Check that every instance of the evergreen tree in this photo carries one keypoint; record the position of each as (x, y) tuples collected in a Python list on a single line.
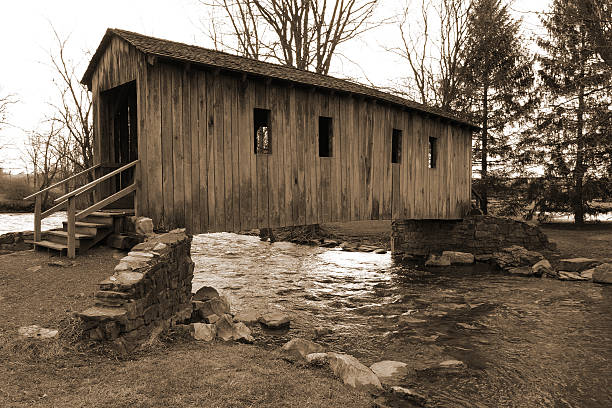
[(495, 81), (572, 137)]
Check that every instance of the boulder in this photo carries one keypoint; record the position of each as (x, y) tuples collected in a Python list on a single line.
[(37, 332), (317, 358), (242, 333), (459, 258), (452, 364), (211, 319), (228, 330), (352, 372), (390, 372), (321, 331), (409, 394), (521, 271), (577, 264), (275, 320), (438, 260), (366, 248), (225, 327), (543, 268), (570, 276), (483, 257), (380, 251), (603, 273), (300, 348), (218, 306), (143, 226), (204, 332), (347, 247), (205, 293), (588, 274), (329, 243), (250, 317), (516, 256)]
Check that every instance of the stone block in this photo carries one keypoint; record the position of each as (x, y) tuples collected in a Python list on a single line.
[(275, 320), (438, 260), (212, 306), (603, 273), (459, 258), (101, 314), (300, 348), (577, 264), (204, 332), (390, 372)]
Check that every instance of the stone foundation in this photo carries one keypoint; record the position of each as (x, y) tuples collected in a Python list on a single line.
[(479, 234), (15, 241), (151, 287)]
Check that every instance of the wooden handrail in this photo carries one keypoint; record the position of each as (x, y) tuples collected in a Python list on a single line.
[(59, 183), (94, 183), (119, 194)]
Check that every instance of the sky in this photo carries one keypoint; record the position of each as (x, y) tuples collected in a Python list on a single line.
[(26, 42)]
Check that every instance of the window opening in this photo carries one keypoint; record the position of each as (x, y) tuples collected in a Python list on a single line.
[(396, 146), (262, 136), (325, 137), (433, 152)]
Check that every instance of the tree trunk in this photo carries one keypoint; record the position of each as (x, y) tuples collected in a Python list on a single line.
[(484, 151), (579, 170)]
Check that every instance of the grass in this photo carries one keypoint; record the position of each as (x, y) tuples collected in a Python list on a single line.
[(175, 371), (589, 240)]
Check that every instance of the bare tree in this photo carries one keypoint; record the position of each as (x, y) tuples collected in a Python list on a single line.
[(299, 33), (432, 46), (72, 111), (46, 153), (5, 101)]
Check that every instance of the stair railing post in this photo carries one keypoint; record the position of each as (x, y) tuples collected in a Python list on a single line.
[(37, 218), (71, 227)]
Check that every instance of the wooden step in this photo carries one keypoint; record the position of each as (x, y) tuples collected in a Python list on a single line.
[(99, 218), (87, 228), (114, 213), (61, 237), (51, 245)]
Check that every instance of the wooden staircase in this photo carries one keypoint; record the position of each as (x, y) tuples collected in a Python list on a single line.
[(85, 228), (93, 229)]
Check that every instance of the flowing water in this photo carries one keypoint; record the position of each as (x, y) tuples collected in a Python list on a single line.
[(526, 342), (15, 222)]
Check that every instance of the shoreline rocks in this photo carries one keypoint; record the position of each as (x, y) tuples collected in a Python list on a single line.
[(603, 273), (275, 320), (390, 372)]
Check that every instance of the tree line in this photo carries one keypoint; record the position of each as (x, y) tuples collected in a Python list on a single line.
[(545, 115)]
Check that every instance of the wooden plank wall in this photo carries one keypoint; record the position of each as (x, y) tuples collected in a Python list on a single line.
[(200, 171)]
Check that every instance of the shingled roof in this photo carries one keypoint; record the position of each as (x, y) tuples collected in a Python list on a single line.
[(217, 59)]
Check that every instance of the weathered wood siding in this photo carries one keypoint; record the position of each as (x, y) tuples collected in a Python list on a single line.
[(199, 169)]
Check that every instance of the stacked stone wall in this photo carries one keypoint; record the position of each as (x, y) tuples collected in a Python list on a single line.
[(15, 241), (479, 234), (150, 287)]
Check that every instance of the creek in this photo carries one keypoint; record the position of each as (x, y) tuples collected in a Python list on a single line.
[(527, 342)]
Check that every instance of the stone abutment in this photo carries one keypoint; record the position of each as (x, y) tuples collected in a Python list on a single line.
[(478, 234)]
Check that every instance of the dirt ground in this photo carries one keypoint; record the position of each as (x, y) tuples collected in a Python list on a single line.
[(175, 371)]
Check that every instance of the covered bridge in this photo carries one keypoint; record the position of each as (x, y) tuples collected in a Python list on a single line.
[(227, 143)]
